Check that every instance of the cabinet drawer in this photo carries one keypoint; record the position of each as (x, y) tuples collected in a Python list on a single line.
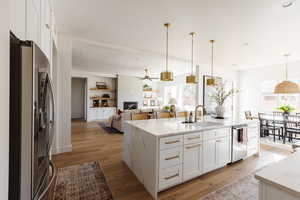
[(192, 138), (209, 135), (170, 177), (170, 142), (170, 157), (223, 132)]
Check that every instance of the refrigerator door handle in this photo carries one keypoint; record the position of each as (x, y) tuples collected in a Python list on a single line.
[(53, 101), (53, 169)]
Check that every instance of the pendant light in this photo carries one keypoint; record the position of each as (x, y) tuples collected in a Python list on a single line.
[(192, 78), (167, 75), (211, 81), (286, 87)]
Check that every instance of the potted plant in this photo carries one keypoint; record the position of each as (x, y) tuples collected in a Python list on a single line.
[(286, 109), (219, 96)]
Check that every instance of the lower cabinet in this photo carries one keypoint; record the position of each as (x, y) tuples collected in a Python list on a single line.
[(223, 151), (184, 157), (192, 163), (216, 153), (103, 113), (209, 155)]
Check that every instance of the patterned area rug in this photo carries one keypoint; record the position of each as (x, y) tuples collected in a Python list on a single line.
[(107, 128), (82, 182), (244, 189)]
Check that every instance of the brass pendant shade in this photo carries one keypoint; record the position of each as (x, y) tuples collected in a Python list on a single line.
[(211, 81), (192, 79), (167, 75), (287, 87)]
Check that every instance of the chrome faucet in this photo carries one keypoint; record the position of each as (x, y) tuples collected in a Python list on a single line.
[(196, 110)]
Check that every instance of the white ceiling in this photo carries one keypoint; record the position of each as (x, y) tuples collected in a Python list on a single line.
[(125, 36)]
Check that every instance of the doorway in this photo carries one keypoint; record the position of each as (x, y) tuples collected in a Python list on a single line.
[(78, 99)]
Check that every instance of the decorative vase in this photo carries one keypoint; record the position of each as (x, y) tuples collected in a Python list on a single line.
[(220, 111)]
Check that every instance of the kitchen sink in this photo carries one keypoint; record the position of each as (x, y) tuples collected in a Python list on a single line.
[(203, 124)]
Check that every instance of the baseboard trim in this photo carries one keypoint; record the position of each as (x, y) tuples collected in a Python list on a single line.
[(59, 150)]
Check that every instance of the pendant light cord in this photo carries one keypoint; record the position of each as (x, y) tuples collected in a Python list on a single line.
[(192, 57), (286, 67), (167, 47), (212, 58)]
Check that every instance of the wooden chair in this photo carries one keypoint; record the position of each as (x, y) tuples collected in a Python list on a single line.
[(267, 126), (181, 114), (139, 116), (292, 126), (248, 115), (160, 115)]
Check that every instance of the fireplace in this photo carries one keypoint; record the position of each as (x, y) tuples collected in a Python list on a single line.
[(130, 105)]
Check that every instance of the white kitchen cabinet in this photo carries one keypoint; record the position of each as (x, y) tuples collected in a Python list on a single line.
[(18, 18), (209, 155), (46, 28), (223, 151), (192, 163), (33, 21), (102, 113)]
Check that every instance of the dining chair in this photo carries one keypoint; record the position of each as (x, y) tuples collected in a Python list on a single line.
[(161, 115), (139, 116), (181, 114), (248, 115), (267, 126), (279, 121), (292, 126)]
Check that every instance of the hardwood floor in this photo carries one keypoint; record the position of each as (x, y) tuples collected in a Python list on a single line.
[(90, 142)]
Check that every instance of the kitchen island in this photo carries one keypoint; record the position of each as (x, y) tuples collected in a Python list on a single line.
[(281, 180), (166, 152)]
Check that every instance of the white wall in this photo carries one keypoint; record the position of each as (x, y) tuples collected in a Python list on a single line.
[(62, 142), (251, 80), (78, 98), (4, 99), (129, 89)]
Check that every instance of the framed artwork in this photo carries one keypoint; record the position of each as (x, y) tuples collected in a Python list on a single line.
[(208, 90)]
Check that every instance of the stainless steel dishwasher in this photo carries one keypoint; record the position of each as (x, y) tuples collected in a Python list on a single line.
[(239, 143)]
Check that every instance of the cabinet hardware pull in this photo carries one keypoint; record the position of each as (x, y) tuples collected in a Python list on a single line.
[(218, 140), (193, 138), (172, 142), (170, 177), (171, 158), (194, 146)]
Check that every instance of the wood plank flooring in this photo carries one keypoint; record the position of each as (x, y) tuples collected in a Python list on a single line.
[(90, 142)]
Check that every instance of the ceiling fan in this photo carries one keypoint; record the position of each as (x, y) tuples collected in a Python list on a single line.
[(147, 77)]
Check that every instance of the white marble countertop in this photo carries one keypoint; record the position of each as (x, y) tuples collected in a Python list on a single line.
[(174, 126), (284, 174)]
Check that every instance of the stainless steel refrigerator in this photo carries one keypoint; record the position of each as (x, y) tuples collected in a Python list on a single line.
[(31, 172)]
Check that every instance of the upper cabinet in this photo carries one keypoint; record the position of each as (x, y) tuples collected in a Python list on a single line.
[(33, 23), (34, 20), (46, 28), (18, 18)]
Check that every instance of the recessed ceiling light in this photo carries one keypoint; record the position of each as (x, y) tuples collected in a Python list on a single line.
[(288, 4)]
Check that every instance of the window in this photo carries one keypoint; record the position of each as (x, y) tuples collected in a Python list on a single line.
[(169, 92), (188, 96), (270, 101)]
